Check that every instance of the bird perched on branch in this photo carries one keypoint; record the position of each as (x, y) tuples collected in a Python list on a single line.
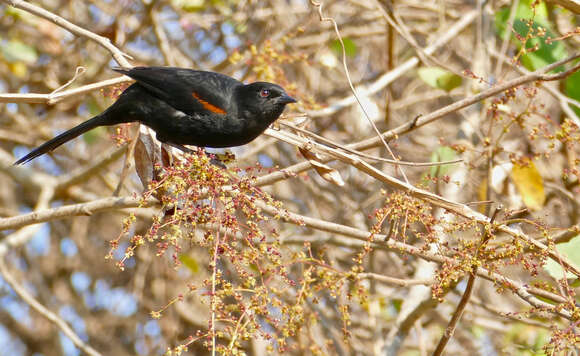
[(186, 107)]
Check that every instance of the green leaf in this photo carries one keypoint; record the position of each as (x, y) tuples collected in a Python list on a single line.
[(90, 137), (524, 11), (19, 14), (575, 283), (189, 5), (93, 107), (397, 304), (349, 47), (442, 154), (190, 263), (545, 53), (572, 87), (440, 78), (571, 250), (16, 51)]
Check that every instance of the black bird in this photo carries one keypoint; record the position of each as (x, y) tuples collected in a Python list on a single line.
[(187, 107)]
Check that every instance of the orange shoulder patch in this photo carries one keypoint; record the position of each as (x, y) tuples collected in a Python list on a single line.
[(208, 106)]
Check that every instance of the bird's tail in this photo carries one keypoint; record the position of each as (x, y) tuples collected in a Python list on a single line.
[(99, 120)]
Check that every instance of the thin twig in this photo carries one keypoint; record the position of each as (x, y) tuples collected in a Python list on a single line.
[(96, 164), (55, 97), (455, 207), (129, 157), (395, 281), (386, 11), (20, 237), (423, 120), (331, 143), (82, 209), (213, 293), (69, 26), (506, 36), (401, 69), (45, 312), (450, 330), (352, 88), (539, 75), (162, 39), (79, 71), (526, 293)]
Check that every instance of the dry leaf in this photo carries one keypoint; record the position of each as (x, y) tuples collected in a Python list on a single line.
[(530, 185), (326, 172), (147, 154)]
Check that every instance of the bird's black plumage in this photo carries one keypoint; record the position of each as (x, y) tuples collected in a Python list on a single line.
[(187, 107)]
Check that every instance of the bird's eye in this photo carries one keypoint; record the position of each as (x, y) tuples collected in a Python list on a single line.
[(264, 93)]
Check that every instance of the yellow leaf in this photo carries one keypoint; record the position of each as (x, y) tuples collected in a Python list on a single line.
[(189, 262), (19, 69), (530, 185), (482, 195)]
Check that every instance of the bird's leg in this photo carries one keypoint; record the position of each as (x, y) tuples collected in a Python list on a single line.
[(179, 147), (212, 158)]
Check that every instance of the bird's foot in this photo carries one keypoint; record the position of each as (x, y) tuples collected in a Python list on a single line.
[(215, 159)]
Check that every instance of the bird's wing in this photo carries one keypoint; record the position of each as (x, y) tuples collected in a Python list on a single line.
[(186, 90)]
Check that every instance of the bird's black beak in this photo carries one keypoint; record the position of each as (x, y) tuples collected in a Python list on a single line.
[(286, 99)]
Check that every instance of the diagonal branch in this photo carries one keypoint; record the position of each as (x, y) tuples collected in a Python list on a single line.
[(390, 76), (449, 205), (42, 310), (69, 26), (539, 75), (83, 209), (525, 292), (55, 97)]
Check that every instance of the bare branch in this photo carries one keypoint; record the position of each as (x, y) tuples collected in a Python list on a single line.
[(455, 207), (42, 310), (56, 97), (69, 26), (401, 69), (84, 209)]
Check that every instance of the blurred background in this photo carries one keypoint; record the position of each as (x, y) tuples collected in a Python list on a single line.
[(406, 58)]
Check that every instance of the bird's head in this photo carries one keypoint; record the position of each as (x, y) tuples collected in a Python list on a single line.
[(264, 100)]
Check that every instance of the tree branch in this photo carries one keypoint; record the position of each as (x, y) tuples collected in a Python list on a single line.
[(45, 312), (69, 26), (83, 209)]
